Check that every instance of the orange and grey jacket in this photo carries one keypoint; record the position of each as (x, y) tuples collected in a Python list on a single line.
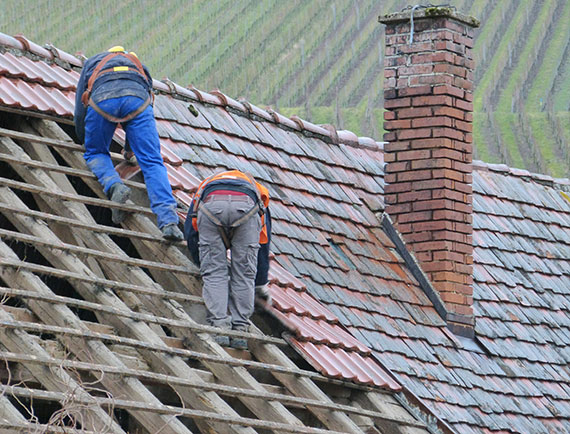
[(233, 180)]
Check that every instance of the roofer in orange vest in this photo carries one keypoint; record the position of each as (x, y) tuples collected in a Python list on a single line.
[(116, 88), (229, 211)]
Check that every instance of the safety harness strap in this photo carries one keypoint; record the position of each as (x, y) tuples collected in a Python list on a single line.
[(98, 71), (226, 231), (115, 119)]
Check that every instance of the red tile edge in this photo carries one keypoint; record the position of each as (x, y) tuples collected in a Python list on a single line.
[(337, 363)]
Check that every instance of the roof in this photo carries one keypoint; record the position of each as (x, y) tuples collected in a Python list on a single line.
[(348, 291), (110, 295)]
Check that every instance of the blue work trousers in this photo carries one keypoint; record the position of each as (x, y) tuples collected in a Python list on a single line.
[(143, 138)]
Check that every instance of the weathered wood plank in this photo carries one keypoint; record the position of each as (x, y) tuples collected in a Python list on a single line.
[(170, 410), (192, 397), (168, 379), (303, 387), (96, 307), (62, 144), (93, 416), (159, 348), (8, 427), (102, 283), (60, 170), (85, 200), (169, 254), (9, 413), (83, 349), (227, 374), (44, 154), (110, 230), (85, 251)]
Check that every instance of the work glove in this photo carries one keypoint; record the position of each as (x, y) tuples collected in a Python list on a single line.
[(262, 292)]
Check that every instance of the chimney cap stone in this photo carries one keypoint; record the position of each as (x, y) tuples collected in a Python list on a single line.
[(425, 12)]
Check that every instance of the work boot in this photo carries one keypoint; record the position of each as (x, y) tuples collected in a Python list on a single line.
[(130, 157), (223, 341), (171, 232), (119, 193), (239, 343)]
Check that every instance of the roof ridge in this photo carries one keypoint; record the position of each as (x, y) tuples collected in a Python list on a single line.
[(558, 183), (50, 52), (241, 106)]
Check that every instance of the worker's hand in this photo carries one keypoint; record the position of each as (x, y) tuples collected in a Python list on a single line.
[(262, 292)]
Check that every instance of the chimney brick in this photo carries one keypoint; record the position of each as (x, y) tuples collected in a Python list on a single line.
[(428, 92)]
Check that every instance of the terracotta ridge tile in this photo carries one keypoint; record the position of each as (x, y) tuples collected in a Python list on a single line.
[(48, 52), (34, 48), (197, 92), (63, 56), (12, 42), (278, 118), (177, 90), (520, 173), (161, 86), (206, 97), (254, 110), (229, 101), (310, 127), (370, 143)]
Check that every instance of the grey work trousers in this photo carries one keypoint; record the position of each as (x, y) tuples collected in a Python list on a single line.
[(231, 288)]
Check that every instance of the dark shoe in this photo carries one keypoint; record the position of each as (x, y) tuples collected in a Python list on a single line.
[(223, 341), (171, 232), (238, 343), (119, 193), (130, 157)]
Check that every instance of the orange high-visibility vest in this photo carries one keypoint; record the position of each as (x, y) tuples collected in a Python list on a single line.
[(261, 192)]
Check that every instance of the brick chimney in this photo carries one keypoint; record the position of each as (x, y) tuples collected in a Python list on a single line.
[(428, 93)]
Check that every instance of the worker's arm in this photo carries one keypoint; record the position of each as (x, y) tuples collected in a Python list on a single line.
[(80, 109), (191, 236), (261, 278)]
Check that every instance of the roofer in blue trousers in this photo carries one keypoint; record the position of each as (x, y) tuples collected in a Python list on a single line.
[(229, 212), (116, 88)]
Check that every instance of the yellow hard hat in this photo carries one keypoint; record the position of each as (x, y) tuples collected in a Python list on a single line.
[(116, 49)]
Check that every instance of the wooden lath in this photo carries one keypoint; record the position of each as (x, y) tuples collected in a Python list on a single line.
[(168, 411), (110, 230), (226, 373), (167, 380), (205, 401), (137, 316), (302, 389), (85, 252), (92, 415)]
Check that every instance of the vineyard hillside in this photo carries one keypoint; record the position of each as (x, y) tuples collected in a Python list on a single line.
[(323, 60)]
